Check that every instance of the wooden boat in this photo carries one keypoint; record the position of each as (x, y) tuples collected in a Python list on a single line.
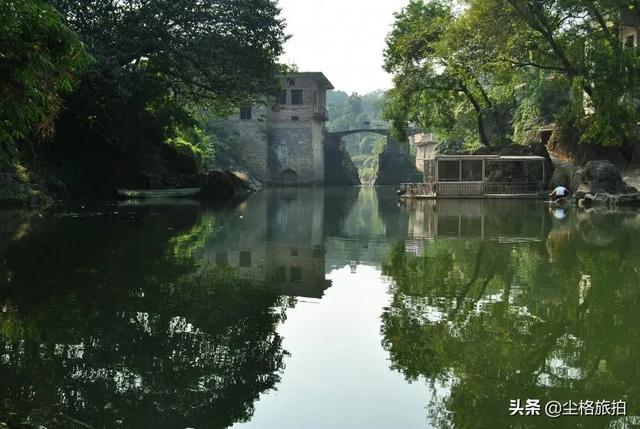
[(158, 202), (158, 193)]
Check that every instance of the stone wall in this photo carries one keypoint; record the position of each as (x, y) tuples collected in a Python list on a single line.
[(291, 149), (252, 149), (288, 138)]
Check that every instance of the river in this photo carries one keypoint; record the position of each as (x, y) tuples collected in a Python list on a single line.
[(335, 308)]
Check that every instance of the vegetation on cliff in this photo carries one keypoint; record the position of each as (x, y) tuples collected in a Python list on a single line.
[(484, 72), (132, 115)]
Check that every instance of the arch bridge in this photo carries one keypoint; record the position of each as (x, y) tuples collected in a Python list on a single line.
[(335, 137)]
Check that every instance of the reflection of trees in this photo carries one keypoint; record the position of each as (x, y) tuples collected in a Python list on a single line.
[(501, 321), (121, 329)]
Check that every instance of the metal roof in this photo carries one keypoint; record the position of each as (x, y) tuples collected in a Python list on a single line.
[(491, 157), (319, 77)]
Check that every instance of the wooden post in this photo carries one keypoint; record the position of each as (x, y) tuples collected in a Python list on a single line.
[(484, 179)]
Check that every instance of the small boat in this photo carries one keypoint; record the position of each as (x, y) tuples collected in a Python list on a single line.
[(158, 193)]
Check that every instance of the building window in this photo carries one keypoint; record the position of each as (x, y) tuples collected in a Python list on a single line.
[(315, 99), (294, 252), (281, 274), (245, 113), (630, 41), (281, 98), (295, 118), (296, 97), (221, 258), (296, 274), (245, 259)]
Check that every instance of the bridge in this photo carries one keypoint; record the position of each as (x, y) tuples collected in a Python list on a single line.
[(334, 138), (378, 127)]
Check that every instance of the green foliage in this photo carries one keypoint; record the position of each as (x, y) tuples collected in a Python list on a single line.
[(355, 111), (496, 320), (155, 63), (222, 53), (158, 338), (549, 61), (39, 58)]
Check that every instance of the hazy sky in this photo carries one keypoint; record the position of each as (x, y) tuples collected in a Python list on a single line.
[(344, 39)]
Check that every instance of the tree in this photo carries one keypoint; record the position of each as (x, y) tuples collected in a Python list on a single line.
[(39, 59), (448, 59), (432, 72), (156, 63), (579, 41), (222, 52)]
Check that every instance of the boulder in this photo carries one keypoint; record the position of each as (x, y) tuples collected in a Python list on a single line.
[(395, 166), (600, 177), (223, 184), (606, 199)]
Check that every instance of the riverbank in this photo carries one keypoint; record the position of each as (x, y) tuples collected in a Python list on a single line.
[(631, 175), (20, 188)]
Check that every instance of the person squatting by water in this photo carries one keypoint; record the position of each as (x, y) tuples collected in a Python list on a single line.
[(559, 193)]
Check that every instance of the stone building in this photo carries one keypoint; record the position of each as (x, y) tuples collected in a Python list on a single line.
[(425, 148), (629, 28), (284, 145)]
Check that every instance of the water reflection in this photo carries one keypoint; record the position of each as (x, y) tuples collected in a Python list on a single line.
[(107, 320), (549, 314), (276, 239), (169, 315)]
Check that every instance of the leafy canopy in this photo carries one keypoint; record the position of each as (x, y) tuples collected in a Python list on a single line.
[(512, 65), (39, 56)]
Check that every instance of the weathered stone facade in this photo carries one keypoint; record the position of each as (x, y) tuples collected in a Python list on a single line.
[(425, 148), (284, 145)]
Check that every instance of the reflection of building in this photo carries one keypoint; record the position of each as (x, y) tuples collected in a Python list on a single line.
[(284, 146), (502, 220), (277, 241)]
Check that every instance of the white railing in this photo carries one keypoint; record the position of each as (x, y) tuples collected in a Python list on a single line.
[(469, 189)]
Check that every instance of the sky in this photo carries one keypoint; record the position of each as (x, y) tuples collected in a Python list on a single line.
[(344, 39)]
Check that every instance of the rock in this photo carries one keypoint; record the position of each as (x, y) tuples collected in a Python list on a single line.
[(607, 199), (53, 185), (395, 166), (564, 174), (223, 184), (597, 177), (339, 169)]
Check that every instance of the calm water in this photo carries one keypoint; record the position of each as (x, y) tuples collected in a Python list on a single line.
[(317, 309)]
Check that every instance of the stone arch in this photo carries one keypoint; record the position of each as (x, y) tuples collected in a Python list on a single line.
[(289, 177)]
